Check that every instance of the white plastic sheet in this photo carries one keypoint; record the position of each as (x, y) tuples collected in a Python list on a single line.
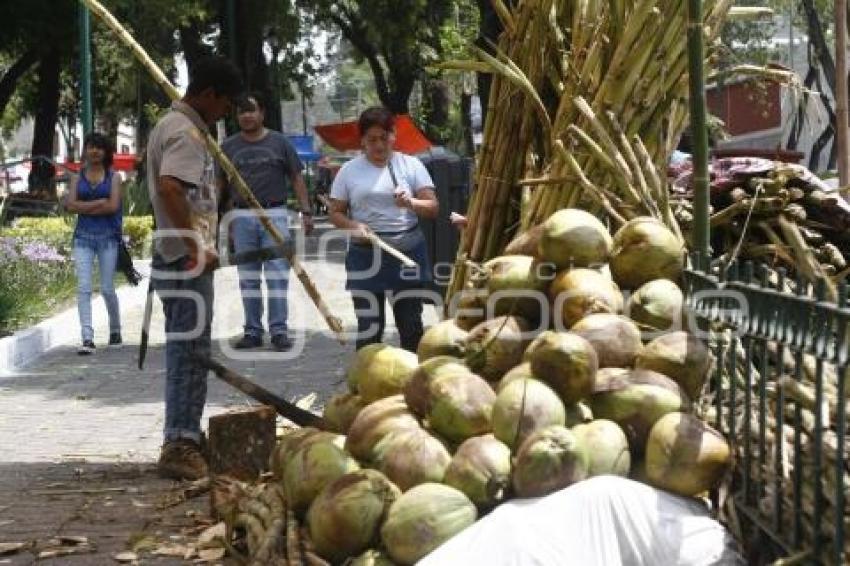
[(603, 521)]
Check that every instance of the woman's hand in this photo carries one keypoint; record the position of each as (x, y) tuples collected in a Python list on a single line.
[(403, 199)]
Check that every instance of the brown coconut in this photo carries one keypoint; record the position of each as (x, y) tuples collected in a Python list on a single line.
[(681, 357), (523, 406), (550, 459), (635, 400), (470, 308), (417, 393), (497, 345), (615, 338), (522, 371), (481, 469), (412, 456), (574, 238), (341, 410), (526, 243), (517, 284), (376, 421), (685, 456), (577, 293), (608, 448), (657, 304), (565, 361), (461, 406), (445, 338), (645, 249)]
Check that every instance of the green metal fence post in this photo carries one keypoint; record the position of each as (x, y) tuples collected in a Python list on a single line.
[(85, 71), (699, 135)]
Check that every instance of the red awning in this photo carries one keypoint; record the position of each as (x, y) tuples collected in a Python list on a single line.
[(120, 162), (345, 137)]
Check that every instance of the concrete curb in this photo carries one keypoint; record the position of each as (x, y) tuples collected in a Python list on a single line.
[(25, 346)]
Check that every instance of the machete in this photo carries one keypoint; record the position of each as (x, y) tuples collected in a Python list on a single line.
[(284, 408)]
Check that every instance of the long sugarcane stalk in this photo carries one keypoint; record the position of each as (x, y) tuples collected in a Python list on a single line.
[(233, 176)]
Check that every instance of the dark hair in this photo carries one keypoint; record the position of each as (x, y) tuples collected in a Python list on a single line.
[(100, 141), (217, 73), (376, 116), (246, 104)]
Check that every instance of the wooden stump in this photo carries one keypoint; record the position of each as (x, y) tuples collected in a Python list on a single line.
[(240, 442)]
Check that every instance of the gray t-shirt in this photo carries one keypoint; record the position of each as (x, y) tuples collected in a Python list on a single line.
[(267, 166), (369, 191), (177, 148)]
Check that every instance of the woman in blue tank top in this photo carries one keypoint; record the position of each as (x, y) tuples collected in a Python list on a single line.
[(95, 196)]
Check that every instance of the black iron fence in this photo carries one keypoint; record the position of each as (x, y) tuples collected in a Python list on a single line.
[(779, 394)]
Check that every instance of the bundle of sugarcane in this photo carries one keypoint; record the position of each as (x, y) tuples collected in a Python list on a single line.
[(588, 103), (777, 213), (789, 442)]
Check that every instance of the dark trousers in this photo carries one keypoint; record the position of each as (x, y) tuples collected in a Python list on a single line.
[(370, 308)]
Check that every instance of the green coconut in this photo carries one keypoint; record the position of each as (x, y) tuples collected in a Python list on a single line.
[(615, 338), (385, 373), (645, 249), (412, 456), (577, 293), (346, 516), (658, 304), (608, 448), (423, 518), (359, 364), (526, 243), (565, 361), (371, 558), (417, 393), (315, 464), (517, 284), (287, 444), (470, 308), (497, 345), (685, 456), (522, 371), (524, 406), (445, 338), (550, 459), (681, 357), (635, 400), (481, 468), (341, 410), (574, 238), (376, 421), (461, 406)]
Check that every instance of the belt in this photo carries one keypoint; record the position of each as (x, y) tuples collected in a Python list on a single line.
[(273, 204)]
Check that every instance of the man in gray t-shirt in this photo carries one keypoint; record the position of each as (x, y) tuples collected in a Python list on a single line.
[(270, 166)]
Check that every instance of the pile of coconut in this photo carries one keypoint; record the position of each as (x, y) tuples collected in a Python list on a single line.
[(580, 370)]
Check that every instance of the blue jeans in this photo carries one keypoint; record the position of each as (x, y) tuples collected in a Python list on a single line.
[(249, 234), (187, 304), (105, 249), (371, 318)]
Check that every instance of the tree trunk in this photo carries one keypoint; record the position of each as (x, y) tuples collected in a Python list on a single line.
[(41, 175), (10, 78), (435, 93), (488, 35), (466, 124)]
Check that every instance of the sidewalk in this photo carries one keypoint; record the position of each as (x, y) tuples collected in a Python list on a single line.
[(78, 421)]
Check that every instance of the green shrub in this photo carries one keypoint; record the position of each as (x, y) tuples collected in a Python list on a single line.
[(136, 200), (58, 232), (139, 229)]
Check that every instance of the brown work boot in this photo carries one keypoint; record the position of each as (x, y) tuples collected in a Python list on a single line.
[(182, 460)]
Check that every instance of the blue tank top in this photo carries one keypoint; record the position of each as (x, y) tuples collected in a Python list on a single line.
[(91, 225)]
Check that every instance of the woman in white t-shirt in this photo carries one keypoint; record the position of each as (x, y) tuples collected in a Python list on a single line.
[(384, 192)]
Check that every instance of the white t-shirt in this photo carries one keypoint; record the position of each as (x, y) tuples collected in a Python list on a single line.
[(369, 189)]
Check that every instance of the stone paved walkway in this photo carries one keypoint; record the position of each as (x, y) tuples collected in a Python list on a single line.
[(84, 423)]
